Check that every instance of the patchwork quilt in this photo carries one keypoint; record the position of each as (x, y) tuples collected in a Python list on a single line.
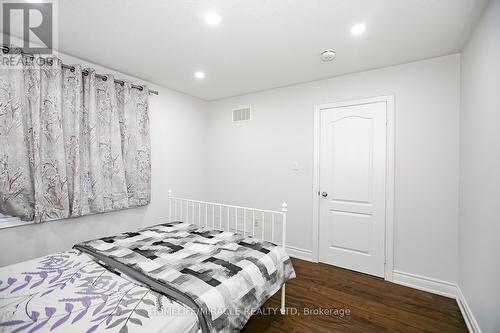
[(222, 276)]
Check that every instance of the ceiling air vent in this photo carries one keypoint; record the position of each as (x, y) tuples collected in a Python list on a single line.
[(241, 114)]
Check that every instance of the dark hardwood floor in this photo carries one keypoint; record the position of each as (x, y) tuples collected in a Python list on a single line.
[(369, 304)]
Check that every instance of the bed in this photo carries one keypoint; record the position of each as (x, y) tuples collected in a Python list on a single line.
[(206, 269)]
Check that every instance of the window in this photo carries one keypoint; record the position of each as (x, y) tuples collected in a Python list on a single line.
[(7, 221), (4, 217)]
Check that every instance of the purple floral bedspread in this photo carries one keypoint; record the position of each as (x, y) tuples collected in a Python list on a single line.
[(70, 292)]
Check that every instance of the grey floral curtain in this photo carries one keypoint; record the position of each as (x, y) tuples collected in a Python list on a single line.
[(71, 144)]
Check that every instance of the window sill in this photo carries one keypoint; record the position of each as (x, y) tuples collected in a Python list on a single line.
[(10, 222)]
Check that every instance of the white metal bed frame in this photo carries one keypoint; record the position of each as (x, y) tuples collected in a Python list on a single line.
[(197, 212)]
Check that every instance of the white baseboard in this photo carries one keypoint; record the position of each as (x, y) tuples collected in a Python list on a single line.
[(299, 253), (469, 318), (443, 288), (431, 285)]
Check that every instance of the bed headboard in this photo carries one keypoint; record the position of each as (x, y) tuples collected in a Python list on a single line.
[(259, 223)]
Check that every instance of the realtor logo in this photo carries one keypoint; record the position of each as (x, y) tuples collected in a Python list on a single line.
[(30, 22)]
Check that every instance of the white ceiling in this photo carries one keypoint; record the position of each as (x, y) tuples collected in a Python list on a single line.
[(259, 44)]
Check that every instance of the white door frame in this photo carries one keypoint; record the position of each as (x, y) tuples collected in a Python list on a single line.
[(389, 194)]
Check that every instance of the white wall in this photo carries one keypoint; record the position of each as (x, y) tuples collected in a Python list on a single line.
[(251, 163), (178, 135), (479, 226)]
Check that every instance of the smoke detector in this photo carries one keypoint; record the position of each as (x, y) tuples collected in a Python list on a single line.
[(328, 55)]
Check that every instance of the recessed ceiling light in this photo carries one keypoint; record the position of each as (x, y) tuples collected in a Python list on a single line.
[(212, 18), (358, 29), (199, 75)]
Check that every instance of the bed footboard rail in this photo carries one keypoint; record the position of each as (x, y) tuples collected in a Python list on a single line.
[(264, 224), (258, 223)]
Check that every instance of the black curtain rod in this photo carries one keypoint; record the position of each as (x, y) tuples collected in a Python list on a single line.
[(7, 49)]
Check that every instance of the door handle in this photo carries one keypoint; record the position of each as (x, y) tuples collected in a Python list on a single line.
[(324, 194)]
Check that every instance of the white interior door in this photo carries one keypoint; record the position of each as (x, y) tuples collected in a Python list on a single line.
[(352, 187)]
